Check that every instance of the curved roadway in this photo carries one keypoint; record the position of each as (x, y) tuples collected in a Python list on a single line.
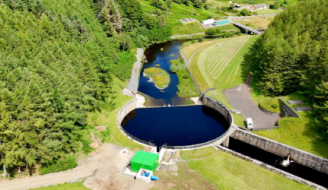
[(240, 98)]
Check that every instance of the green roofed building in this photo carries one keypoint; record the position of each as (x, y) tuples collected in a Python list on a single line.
[(144, 160)]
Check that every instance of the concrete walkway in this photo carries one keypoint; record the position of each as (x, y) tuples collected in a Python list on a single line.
[(134, 80), (240, 98)]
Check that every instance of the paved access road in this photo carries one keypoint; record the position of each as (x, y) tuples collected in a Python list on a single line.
[(240, 98), (134, 80)]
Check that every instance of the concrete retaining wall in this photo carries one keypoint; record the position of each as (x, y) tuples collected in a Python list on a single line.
[(309, 160), (288, 112), (271, 168), (125, 110), (218, 106)]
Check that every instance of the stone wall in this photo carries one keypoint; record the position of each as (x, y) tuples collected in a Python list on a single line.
[(218, 106), (288, 112), (309, 160)]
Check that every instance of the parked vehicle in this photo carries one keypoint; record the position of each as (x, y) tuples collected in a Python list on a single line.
[(249, 124)]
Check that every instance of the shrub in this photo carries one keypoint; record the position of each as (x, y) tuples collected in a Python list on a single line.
[(274, 106), (61, 165)]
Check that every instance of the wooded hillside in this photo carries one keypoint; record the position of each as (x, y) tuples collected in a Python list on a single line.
[(56, 61), (292, 55)]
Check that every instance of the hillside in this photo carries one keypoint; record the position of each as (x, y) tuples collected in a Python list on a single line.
[(58, 61)]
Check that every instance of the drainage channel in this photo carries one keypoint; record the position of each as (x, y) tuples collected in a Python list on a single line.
[(279, 162)]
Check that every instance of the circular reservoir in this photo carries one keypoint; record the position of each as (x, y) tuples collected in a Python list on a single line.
[(176, 126)]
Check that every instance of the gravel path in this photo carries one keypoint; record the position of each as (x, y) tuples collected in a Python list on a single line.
[(134, 80), (240, 98)]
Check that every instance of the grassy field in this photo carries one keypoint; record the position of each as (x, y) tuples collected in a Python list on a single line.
[(107, 117), (228, 172), (68, 186), (214, 59), (255, 22), (188, 28), (192, 48)]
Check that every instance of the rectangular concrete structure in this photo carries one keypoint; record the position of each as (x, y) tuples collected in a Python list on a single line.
[(307, 159)]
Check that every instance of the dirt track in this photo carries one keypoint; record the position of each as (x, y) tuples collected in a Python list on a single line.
[(102, 170)]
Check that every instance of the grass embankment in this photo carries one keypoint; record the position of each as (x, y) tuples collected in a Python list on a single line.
[(223, 63), (68, 186), (300, 132), (186, 85), (229, 172), (157, 75), (107, 117), (271, 104)]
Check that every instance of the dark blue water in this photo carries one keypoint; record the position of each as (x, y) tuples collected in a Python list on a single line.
[(176, 126), (154, 55)]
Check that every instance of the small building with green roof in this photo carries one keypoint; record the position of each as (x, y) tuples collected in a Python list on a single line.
[(144, 160)]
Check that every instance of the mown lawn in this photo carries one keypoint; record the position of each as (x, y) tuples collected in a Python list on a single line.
[(68, 186), (214, 59), (228, 172)]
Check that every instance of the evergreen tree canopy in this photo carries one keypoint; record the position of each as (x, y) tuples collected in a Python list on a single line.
[(292, 55)]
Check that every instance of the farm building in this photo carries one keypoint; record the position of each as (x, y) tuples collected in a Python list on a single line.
[(258, 7), (221, 22), (208, 21), (144, 160)]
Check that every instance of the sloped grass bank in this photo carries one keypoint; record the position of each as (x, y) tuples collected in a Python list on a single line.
[(228, 172)]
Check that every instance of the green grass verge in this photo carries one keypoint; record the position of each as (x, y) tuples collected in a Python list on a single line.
[(228, 27), (68, 186), (107, 117), (272, 104), (228, 172), (218, 95)]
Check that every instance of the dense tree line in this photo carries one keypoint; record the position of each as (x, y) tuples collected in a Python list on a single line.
[(292, 55), (56, 61)]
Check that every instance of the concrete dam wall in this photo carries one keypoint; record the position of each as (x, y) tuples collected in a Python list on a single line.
[(299, 156)]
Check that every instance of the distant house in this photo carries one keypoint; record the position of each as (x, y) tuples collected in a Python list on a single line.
[(208, 21), (258, 7)]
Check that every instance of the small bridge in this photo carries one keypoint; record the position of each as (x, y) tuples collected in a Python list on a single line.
[(247, 28)]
